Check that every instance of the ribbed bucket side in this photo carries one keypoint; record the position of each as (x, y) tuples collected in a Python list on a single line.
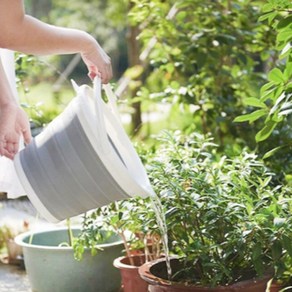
[(65, 171)]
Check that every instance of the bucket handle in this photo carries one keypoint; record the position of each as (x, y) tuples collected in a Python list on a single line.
[(99, 105), (112, 102)]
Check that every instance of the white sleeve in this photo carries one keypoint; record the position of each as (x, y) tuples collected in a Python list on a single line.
[(9, 182)]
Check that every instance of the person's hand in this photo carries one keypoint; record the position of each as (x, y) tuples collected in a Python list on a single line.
[(97, 62), (13, 123)]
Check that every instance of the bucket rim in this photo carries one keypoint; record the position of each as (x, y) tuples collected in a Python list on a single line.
[(19, 240)]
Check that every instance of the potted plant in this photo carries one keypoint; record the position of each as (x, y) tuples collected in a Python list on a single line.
[(229, 224), (13, 252), (50, 264), (134, 221)]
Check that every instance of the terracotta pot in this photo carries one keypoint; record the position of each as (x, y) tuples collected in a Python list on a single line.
[(276, 287), (131, 279), (150, 273)]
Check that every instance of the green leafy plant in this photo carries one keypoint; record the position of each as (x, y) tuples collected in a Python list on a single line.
[(274, 104), (227, 219), (132, 219)]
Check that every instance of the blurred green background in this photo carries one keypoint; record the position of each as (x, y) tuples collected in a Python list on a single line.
[(184, 65)]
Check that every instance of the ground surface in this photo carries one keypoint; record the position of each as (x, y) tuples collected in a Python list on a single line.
[(12, 214), (13, 279)]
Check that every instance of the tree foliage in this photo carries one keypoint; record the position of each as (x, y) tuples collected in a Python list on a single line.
[(211, 61), (274, 103), (208, 56)]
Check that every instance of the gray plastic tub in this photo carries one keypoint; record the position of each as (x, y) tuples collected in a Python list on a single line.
[(82, 160)]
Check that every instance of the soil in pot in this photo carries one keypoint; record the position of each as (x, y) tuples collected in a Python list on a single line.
[(155, 274)]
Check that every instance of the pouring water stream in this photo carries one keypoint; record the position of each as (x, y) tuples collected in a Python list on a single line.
[(160, 218)]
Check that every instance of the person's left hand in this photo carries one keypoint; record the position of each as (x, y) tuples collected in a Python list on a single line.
[(13, 123)]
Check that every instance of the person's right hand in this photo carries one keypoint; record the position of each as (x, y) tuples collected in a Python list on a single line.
[(13, 123), (98, 62)]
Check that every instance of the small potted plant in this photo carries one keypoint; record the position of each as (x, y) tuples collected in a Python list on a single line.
[(229, 224), (135, 222)]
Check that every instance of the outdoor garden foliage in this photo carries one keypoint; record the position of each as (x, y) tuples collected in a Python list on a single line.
[(274, 103), (224, 68), (226, 216), (217, 63), (211, 61)]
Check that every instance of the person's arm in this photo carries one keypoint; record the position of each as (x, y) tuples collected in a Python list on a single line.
[(20, 32), (13, 120)]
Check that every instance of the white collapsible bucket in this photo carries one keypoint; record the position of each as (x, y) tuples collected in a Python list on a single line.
[(82, 160)]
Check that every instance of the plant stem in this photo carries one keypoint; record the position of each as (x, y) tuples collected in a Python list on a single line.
[(31, 235), (122, 234), (147, 254), (70, 234), (198, 230)]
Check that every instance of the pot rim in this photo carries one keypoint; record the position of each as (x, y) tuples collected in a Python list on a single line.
[(118, 262), (146, 275), (19, 239)]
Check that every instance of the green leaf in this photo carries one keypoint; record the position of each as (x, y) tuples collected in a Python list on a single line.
[(267, 94), (284, 22), (268, 8), (276, 118), (252, 101), (175, 51), (288, 71), (278, 93), (181, 15), (276, 75), (276, 250), (273, 151), (251, 117), (272, 16), (265, 55), (279, 222), (256, 257), (287, 244), (265, 87), (225, 38), (169, 68), (269, 15), (257, 251), (277, 103), (285, 36), (134, 72), (280, 45), (286, 51), (273, 94), (266, 131)]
